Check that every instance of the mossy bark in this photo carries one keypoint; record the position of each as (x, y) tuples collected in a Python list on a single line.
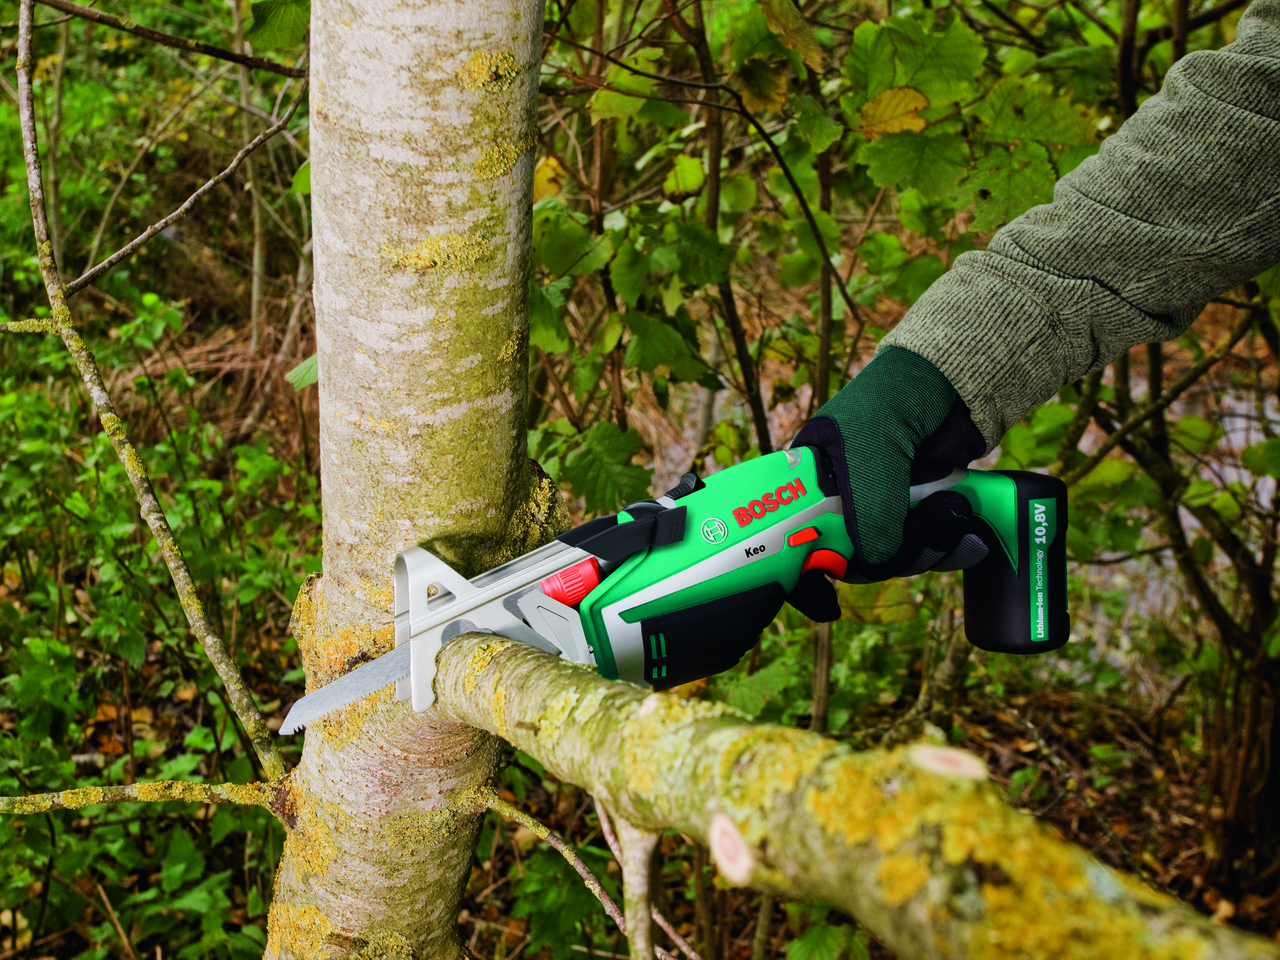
[(913, 842), (422, 120)]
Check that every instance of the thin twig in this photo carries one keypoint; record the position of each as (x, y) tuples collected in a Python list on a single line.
[(1176, 389), (141, 152), (115, 922), (148, 504), (611, 838), (606, 828), (157, 791), (543, 832), (19, 951), (678, 940), (169, 40), (129, 249)]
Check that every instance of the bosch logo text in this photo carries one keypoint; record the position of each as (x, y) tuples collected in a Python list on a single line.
[(769, 502)]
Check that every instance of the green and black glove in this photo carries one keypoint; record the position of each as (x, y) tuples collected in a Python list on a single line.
[(896, 424)]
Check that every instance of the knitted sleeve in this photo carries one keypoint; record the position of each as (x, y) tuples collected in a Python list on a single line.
[(1181, 204)]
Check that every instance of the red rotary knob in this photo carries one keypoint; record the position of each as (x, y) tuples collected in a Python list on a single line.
[(573, 583)]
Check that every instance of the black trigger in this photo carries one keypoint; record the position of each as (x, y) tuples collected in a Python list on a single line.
[(815, 597)]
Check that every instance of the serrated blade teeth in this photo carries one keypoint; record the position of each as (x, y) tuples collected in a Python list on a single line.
[(374, 675)]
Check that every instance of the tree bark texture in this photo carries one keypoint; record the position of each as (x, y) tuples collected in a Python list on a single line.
[(422, 125), (914, 842)]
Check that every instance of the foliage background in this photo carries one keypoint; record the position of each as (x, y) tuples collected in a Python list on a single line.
[(709, 179)]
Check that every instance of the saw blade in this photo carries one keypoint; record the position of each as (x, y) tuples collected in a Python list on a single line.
[(348, 688)]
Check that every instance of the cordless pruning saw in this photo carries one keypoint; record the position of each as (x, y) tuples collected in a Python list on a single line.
[(679, 588)]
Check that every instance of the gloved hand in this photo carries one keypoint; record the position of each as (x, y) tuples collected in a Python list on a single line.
[(897, 423)]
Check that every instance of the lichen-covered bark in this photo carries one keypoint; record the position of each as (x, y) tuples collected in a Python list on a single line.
[(913, 842), (422, 118)]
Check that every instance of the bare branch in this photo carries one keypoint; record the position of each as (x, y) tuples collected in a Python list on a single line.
[(1149, 410), (149, 505), (152, 139), (169, 40), (115, 922), (86, 278), (159, 791), (545, 833), (678, 940)]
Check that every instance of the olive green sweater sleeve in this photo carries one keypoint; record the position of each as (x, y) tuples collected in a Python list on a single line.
[(1181, 204)]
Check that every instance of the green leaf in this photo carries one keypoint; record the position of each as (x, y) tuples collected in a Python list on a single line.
[(939, 65), (793, 31), (685, 179), (797, 269), (814, 126), (601, 471), (1263, 459), (1005, 184), (703, 259), (869, 66), (304, 374), (567, 247), (916, 277), (737, 194), (1194, 434), (1017, 111), (1086, 70), (819, 942), (882, 252), (629, 272), (1269, 281), (932, 165), (546, 330), (751, 38), (804, 233), (612, 104), (183, 861), (751, 694), (653, 344), (1199, 493), (662, 113), (302, 179), (278, 24), (1227, 504), (1271, 639)]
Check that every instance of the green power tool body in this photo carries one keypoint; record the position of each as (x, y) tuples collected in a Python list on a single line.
[(679, 588)]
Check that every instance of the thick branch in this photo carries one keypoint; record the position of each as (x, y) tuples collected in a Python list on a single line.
[(270, 795), (912, 842), (168, 40), (149, 505)]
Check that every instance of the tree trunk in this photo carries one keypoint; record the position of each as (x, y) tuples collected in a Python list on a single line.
[(422, 122)]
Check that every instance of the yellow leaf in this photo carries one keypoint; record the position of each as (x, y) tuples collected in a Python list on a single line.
[(548, 179), (793, 31), (893, 111), (764, 85)]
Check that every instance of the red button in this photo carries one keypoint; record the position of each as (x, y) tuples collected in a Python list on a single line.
[(828, 561), (572, 584), (802, 536)]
